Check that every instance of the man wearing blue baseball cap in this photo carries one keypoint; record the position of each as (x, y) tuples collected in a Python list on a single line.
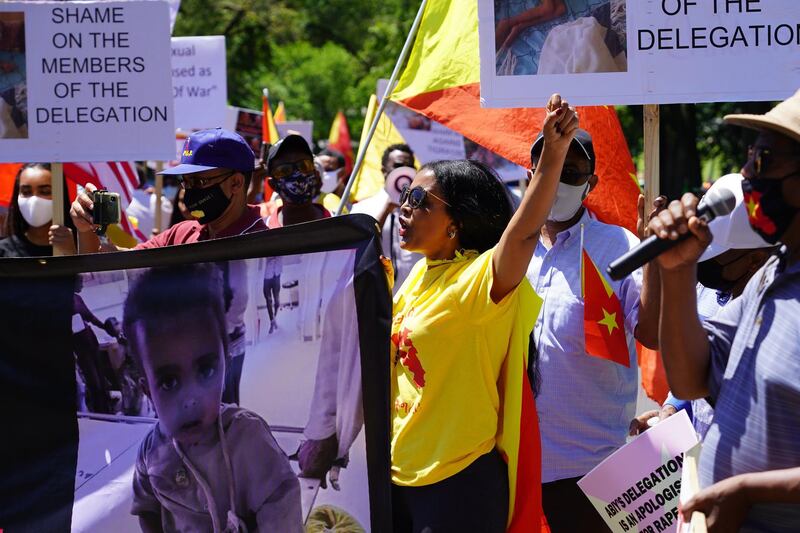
[(215, 170)]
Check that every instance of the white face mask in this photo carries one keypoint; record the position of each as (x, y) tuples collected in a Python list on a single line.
[(330, 180), (568, 201), (35, 210)]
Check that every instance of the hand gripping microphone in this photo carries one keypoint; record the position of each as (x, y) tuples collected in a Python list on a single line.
[(716, 203)]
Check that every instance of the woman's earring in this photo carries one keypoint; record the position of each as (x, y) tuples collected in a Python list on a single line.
[(451, 234)]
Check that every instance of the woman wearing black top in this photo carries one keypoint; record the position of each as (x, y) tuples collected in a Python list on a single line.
[(29, 223)]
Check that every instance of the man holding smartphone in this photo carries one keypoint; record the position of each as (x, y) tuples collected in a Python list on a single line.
[(215, 170)]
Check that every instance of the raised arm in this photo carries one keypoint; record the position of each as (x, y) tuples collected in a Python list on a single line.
[(516, 246)]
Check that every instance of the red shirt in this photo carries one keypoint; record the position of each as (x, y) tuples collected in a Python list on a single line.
[(274, 219), (190, 231)]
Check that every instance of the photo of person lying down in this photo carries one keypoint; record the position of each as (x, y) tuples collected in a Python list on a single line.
[(538, 37)]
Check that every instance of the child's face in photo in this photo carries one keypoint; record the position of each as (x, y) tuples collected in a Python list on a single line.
[(184, 364)]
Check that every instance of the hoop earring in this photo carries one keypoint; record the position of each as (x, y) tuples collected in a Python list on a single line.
[(451, 234)]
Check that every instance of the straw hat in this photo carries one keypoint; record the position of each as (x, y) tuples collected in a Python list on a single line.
[(783, 118)]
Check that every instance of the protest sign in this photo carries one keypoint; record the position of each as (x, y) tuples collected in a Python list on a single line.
[(599, 52), (637, 488), (301, 314), (247, 123), (199, 82), (85, 81), (303, 128)]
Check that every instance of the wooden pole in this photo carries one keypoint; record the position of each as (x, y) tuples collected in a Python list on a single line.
[(651, 155), (157, 227), (58, 192)]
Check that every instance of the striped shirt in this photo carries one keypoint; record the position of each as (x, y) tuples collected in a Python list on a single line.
[(585, 403), (755, 380)]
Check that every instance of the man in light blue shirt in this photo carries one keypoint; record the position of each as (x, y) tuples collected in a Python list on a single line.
[(584, 403)]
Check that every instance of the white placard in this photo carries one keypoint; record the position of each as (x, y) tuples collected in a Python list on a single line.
[(599, 52), (247, 123), (199, 82), (637, 487), (90, 82), (303, 128)]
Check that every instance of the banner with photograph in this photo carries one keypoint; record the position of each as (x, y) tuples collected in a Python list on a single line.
[(85, 81), (603, 52), (238, 381), (199, 82)]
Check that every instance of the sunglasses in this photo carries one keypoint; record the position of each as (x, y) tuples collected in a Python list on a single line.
[(279, 172), (191, 182), (416, 197), (763, 157)]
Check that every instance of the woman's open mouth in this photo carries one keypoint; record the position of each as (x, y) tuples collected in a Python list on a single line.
[(401, 231)]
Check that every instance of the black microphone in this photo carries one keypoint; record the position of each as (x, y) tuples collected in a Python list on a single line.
[(716, 203)]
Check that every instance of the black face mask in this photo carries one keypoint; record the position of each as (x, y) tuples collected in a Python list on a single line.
[(206, 205), (709, 274), (768, 214)]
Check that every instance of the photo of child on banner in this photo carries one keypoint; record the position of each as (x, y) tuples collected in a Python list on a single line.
[(161, 448)]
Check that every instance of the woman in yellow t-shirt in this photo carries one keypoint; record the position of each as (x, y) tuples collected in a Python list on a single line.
[(463, 313)]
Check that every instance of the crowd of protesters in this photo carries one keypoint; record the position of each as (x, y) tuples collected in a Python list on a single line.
[(470, 271)]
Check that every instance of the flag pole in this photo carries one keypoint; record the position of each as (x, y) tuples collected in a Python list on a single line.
[(362, 150), (58, 192), (651, 155), (159, 188)]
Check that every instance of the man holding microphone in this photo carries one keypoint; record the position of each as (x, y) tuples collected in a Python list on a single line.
[(746, 358)]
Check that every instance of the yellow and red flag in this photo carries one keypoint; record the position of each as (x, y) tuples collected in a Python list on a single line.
[(339, 139), (603, 318), (8, 174), (370, 179), (442, 81), (280, 113), (654, 377), (269, 133)]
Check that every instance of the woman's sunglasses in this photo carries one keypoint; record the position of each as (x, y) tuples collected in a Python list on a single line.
[(416, 197)]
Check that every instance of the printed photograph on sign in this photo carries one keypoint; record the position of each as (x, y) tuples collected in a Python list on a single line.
[(535, 37), (13, 79), (248, 125), (155, 351)]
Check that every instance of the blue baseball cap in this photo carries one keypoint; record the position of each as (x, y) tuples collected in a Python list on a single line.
[(215, 148)]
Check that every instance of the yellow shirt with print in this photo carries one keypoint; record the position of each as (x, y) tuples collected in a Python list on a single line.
[(449, 343)]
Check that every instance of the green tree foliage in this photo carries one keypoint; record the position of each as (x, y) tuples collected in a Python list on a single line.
[(318, 56), (696, 145)]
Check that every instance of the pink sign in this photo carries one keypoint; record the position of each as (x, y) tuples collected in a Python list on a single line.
[(637, 488)]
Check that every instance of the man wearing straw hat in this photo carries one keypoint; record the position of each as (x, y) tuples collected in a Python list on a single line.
[(746, 359)]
